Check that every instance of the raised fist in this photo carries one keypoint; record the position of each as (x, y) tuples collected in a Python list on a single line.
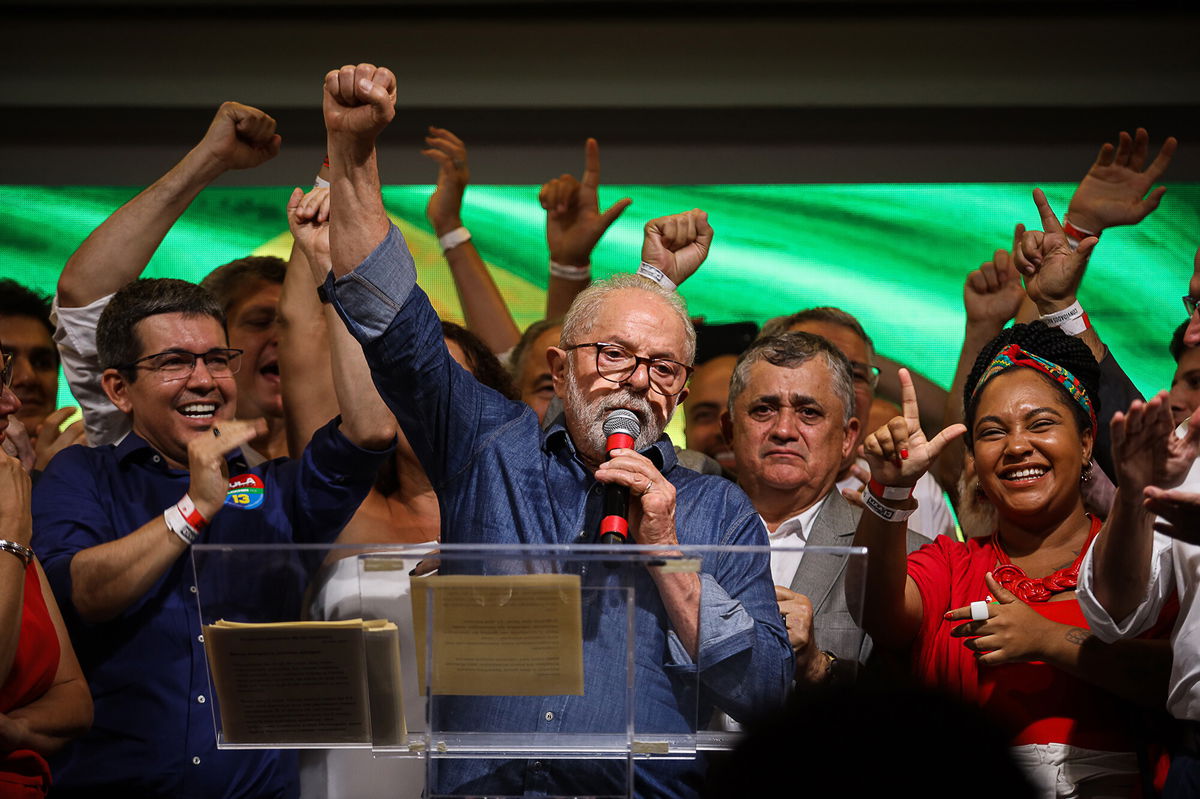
[(359, 101), (992, 294), (240, 137), (678, 244)]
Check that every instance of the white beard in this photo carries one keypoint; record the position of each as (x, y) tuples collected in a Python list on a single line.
[(590, 414)]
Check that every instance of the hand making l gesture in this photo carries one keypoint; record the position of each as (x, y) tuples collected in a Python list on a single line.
[(574, 221), (898, 453)]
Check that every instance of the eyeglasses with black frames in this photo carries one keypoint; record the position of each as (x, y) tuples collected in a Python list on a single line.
[(179, 364), (616, 364)]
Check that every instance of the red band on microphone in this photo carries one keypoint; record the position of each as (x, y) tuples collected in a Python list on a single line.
[(619, 441), (615, 525)]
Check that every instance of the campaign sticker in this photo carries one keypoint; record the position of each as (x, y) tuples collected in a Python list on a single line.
[(245, 491)]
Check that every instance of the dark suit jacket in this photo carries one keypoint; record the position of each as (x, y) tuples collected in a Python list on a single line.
[(827, 578)]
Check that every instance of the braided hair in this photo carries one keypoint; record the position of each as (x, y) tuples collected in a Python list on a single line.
[(1046, 342)]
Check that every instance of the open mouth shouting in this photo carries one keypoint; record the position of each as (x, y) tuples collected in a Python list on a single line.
[(270, 372)]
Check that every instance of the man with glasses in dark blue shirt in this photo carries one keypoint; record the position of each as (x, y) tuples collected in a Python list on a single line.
[(114, 525), (627, 344)]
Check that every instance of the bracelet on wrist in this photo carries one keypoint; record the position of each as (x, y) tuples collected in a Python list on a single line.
[(886, 512), (652, 272), (568, 272), (184, 520), (1076, 234), (889, 492), (20, 550), (460, 235), (1072, 321)]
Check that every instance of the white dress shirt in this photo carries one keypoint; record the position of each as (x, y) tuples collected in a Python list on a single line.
[(1174, 566), (790, 533)]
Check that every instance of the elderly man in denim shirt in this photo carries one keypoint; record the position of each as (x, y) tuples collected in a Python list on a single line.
[(500, 479)]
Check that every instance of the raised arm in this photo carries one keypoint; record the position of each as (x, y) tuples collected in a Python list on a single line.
[(992, 295), (486, 312), (304, 360), (676, 245), (574, 224), (1149, 456), (366, 421), (1053, 268), (239, 137), (898, 454), (358, 103)]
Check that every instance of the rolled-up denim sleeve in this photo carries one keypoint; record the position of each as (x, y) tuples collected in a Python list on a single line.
[(444, 411), (369, 298), (743, 659)]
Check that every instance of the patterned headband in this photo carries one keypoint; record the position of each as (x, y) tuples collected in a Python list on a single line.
[(1013, 355)]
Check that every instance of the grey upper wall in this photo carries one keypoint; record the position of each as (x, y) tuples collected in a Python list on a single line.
[(695, 92)]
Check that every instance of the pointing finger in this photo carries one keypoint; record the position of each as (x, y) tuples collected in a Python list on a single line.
[(591, 172), (1049, 220), (908, 399)]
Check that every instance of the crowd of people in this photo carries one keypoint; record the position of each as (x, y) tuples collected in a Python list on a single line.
[(1061, 604)]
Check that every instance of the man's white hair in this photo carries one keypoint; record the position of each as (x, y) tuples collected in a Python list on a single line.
[(577, 324)]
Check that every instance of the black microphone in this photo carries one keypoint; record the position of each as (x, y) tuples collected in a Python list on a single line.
[(621, 428)]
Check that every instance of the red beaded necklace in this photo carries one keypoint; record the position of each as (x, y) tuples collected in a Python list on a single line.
[(1039, 589)]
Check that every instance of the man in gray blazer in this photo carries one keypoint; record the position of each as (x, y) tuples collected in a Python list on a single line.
[(791, 421)]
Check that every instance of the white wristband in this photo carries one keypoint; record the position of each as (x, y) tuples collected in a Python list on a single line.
[(888, 514), (567, 272), (179, 526), (1072, 321), (320, 183), (459, 235), (652, 272), (184, 520)]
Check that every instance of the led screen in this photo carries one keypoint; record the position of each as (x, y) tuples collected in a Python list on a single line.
[(895, 255)]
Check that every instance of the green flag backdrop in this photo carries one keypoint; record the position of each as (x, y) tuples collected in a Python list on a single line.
[(894, 255)]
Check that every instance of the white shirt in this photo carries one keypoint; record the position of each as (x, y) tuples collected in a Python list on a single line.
[(1174, 566), (932, 517), (791, 533), (75, 336)]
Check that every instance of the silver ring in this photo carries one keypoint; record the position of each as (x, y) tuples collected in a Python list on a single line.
[(979, 611)]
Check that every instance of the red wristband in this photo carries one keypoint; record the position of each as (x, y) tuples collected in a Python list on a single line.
[(187, 509), (889, 492)]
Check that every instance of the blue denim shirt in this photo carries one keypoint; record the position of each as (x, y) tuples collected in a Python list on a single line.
[(501, 480), (153, 732)]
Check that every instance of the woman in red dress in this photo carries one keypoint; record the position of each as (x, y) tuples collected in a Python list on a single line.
[(995, 620), (44, 700)]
